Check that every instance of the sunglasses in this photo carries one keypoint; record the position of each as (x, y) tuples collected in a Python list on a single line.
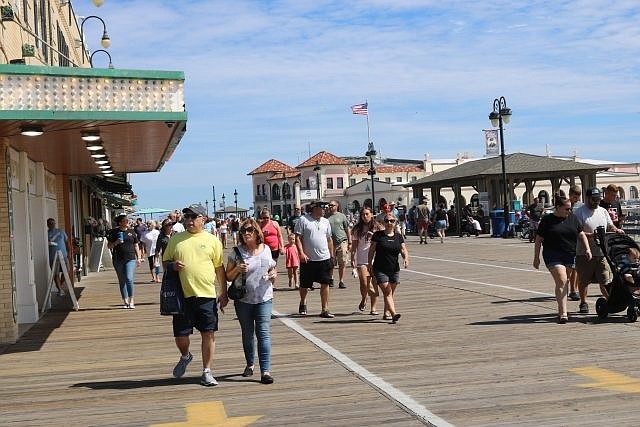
[(247, 229), (390, 221), (191, 216), (332, 206)]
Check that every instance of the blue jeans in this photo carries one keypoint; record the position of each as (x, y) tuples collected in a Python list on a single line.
[(125, 271), (256, 319)]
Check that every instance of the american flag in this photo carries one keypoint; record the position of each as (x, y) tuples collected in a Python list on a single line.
[(361, 109)]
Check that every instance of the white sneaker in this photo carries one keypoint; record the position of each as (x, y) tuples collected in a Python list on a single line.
[(132, 305), (207, 379)]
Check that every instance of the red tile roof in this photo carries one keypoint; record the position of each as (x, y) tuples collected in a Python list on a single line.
[(323, 158), (273, 165)]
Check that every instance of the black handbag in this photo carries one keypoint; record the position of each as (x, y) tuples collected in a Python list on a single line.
[(238, 288), (171, 296)]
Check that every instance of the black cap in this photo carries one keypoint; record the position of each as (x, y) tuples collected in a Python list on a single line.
[(317, 204), (594, 192), (195, 208)]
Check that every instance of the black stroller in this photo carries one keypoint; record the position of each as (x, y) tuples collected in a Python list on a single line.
[(616, 248)]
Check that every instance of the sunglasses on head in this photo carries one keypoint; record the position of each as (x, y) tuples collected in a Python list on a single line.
[(247, 229), (191, 216)]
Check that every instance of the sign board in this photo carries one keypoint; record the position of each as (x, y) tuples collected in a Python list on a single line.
[(100, 256)]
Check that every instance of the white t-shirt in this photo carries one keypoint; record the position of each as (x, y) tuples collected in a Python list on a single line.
[(149, 238), (314, 234), (177, 227), (590, 220)]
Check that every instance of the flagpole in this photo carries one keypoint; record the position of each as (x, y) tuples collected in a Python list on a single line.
[(366, 102)]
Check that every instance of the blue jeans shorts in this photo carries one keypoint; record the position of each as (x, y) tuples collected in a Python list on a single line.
[(199, 312), (553, 258), (387, 277)]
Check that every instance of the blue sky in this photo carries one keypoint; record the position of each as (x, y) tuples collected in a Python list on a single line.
[(275, 79)]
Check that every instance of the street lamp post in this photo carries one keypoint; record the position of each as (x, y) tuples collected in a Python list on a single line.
[(206, 203), (284, 199), (105, 41), (371, 153), (213, 191), (317, 170), (223, 208), (235, 200), (501, 113)]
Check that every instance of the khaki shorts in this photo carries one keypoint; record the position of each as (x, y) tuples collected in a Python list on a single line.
[(342, 253), (594, 271)]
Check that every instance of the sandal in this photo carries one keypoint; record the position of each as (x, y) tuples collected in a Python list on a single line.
[(362, 306), (563, 319), (386, 317), (302, 309), (373, 313)]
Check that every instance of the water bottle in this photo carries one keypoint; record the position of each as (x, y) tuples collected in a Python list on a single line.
[(121, 236)]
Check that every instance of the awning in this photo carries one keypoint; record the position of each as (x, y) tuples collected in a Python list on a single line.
[(139, 116)]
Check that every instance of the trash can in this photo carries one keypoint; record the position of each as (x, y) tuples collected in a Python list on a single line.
[(497, 222)]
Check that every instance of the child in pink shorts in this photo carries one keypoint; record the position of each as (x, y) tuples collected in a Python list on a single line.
[(292, 260)]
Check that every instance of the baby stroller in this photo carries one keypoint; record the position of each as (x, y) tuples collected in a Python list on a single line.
[(615, 248)]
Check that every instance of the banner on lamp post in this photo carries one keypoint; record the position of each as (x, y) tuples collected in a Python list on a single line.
[(491, 142)]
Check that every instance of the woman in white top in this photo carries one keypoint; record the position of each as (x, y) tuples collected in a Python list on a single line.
[(360, 242), (149, 237), (254, 309)]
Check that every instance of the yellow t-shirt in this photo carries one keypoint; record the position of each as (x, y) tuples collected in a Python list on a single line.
[(201, 254)]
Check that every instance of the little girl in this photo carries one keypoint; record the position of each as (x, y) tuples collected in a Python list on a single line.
[(292, 260)]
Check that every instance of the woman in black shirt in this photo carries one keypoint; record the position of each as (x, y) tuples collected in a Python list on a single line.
[(383, 262), (558, 234), (123, 241)]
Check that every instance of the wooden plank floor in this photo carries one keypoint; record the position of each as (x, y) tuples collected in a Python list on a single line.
[(477, 345)]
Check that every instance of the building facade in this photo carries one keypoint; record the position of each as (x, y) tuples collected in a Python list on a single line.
[(68, 133)]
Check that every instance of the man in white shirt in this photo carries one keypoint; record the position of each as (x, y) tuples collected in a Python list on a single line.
[(596, 270), (315, 247)]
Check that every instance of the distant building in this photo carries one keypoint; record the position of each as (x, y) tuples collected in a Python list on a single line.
[(326, 176)]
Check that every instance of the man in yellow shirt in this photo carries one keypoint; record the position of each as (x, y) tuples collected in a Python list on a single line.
[(197, 257)]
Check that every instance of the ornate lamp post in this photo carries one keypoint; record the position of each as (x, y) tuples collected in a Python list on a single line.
[(317, 170), (206, 203), (501, 113), (235, 200), (371, 153), (284, 197), (213, 191), (223, 207), (105, 41), (100, 50)]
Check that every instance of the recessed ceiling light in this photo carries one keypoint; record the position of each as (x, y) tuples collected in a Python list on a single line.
[(90, 135), (31, 130)]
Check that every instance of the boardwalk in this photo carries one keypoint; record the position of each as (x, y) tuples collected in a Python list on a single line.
[(477, 345)]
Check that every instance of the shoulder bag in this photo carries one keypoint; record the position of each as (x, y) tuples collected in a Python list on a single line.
[(238, 288), (171, 297)]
